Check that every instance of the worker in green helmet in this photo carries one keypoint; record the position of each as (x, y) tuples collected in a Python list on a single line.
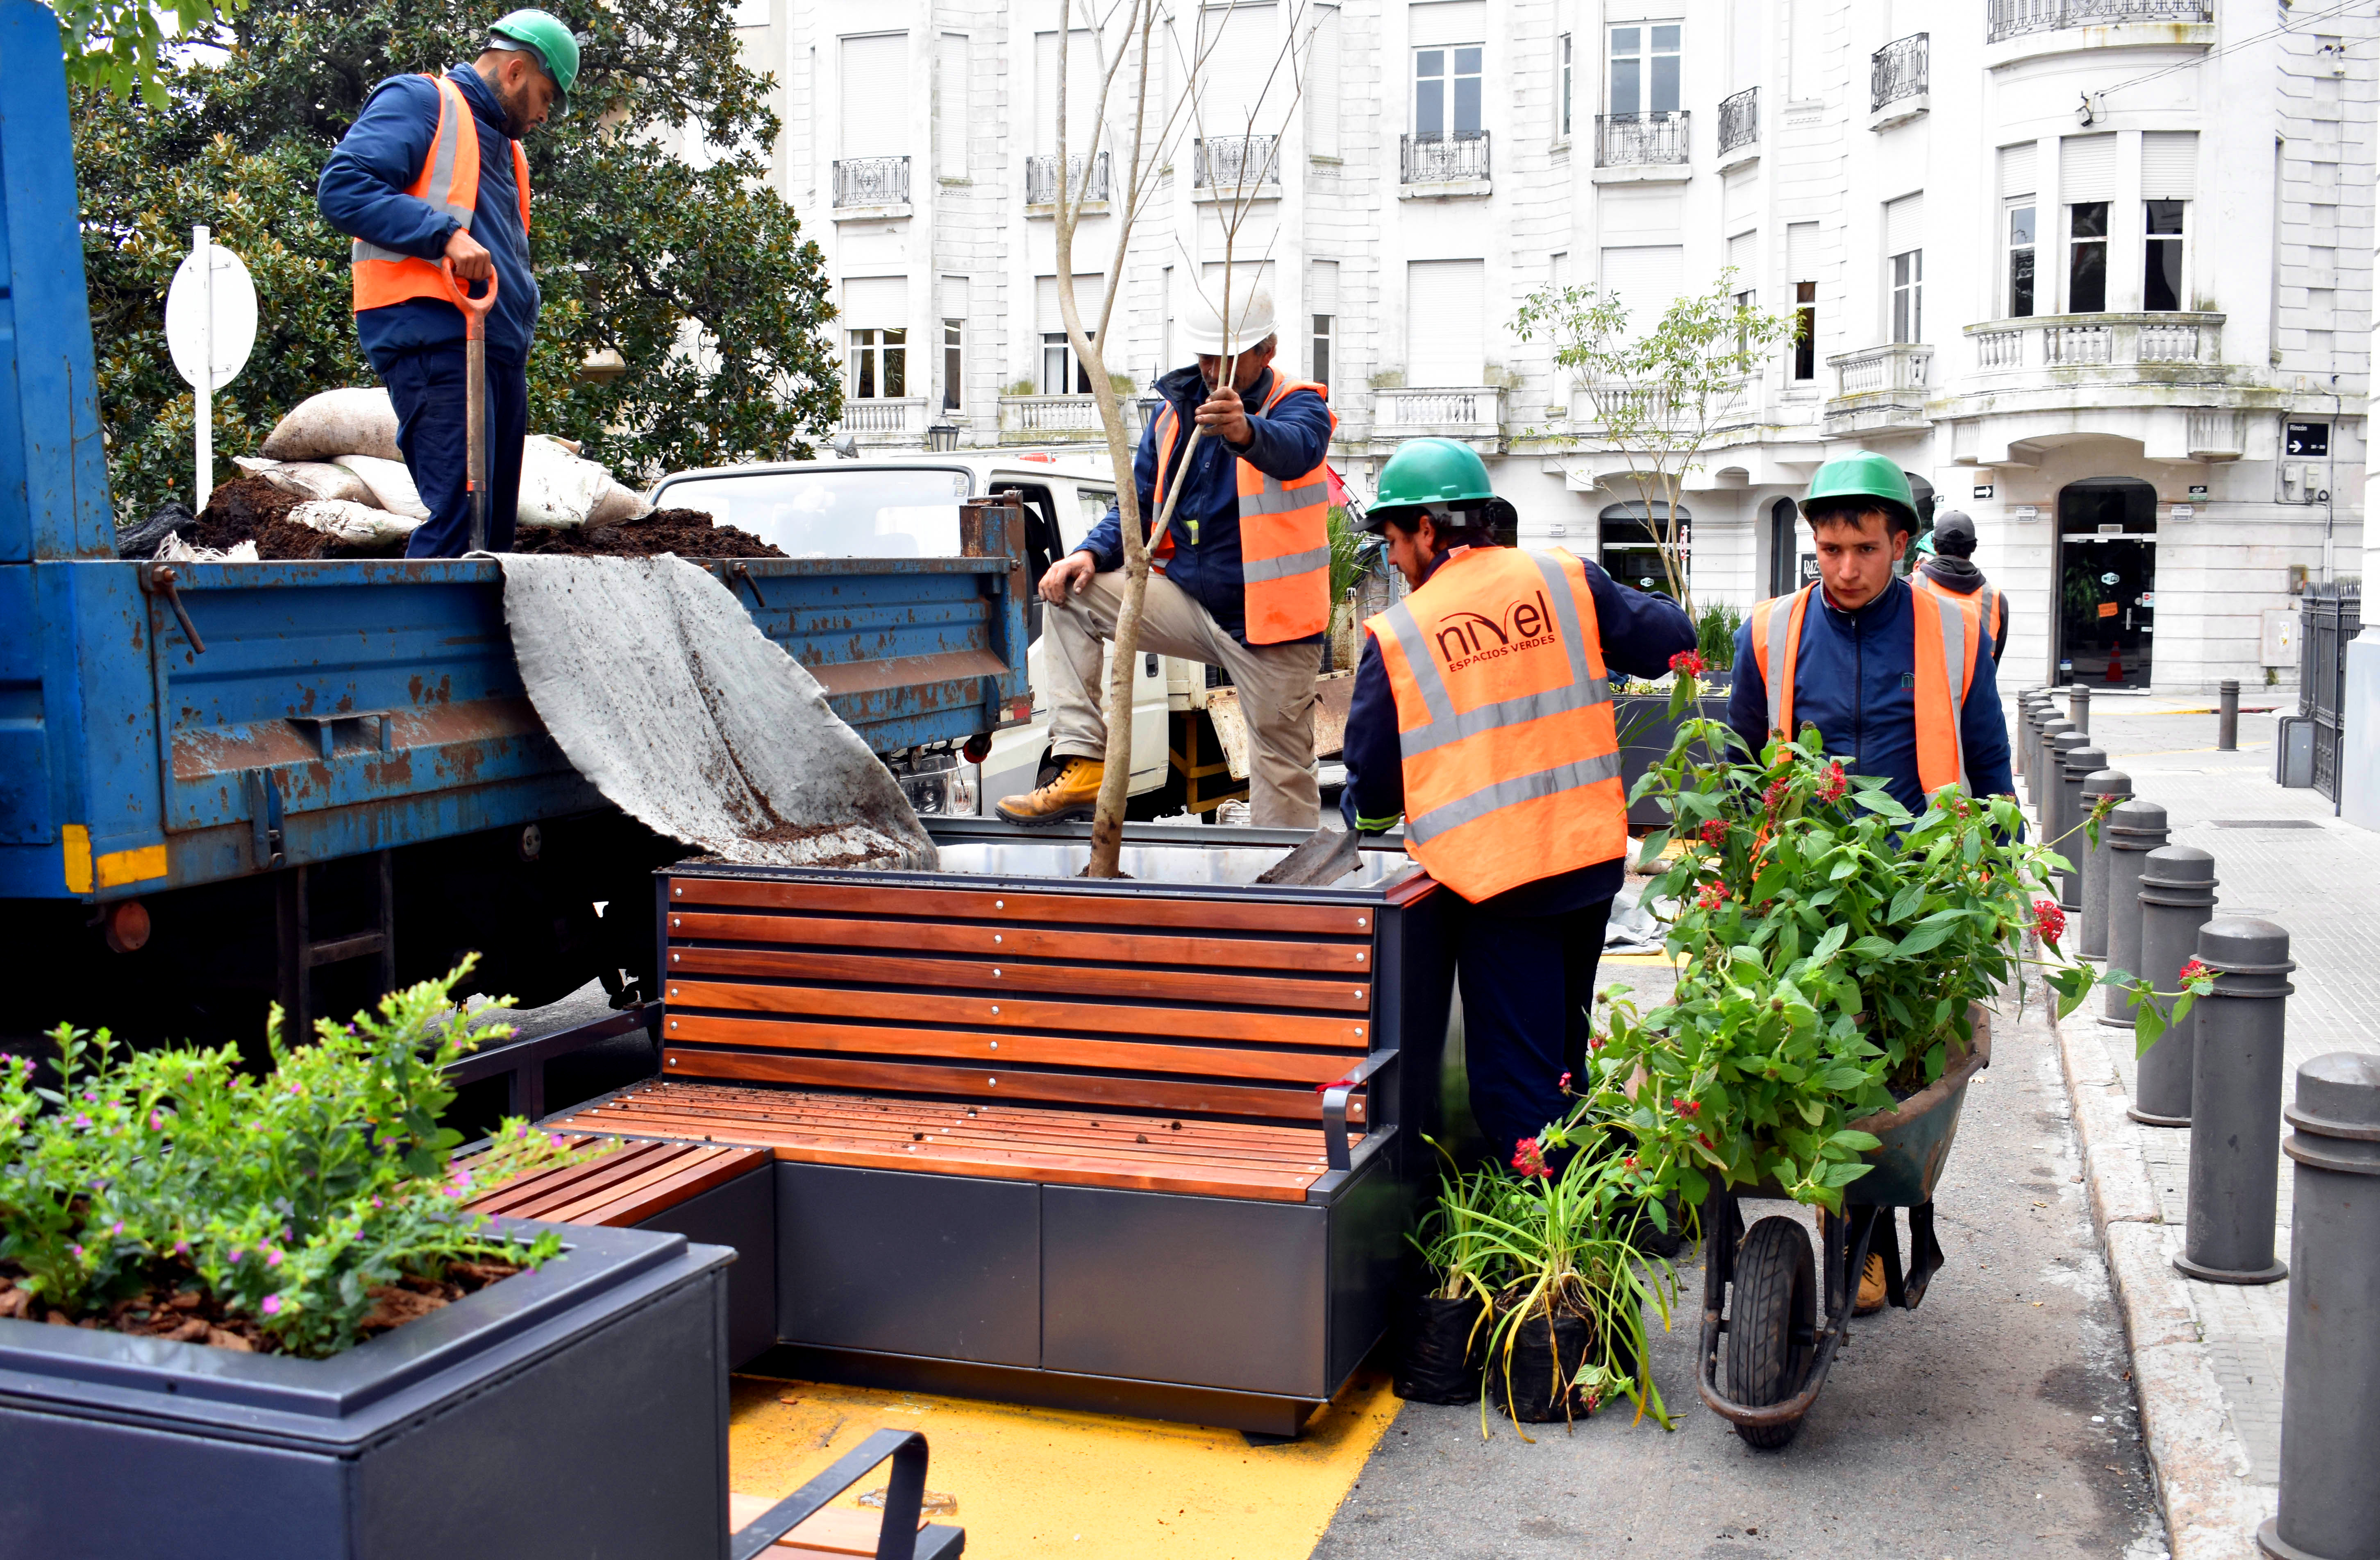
[(1482, 716), (1898, 681), (432, 186)]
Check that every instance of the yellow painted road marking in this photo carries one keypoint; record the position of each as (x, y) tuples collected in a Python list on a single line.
[(1034, 1482), (1635, 958)]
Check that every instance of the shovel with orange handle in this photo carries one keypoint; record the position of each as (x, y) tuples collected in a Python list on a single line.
[(475, 386)]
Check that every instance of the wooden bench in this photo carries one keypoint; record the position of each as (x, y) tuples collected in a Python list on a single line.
[(1131, 1151)]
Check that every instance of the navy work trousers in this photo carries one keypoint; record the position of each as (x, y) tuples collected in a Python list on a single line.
[(434, 430), (1528, 989)]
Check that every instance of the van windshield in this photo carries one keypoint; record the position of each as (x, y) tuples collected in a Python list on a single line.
[(906, 512)]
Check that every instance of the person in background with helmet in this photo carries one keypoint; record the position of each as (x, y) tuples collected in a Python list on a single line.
[(1481, 715), (431, 177), (1893, 676), (1947, 566), (1241, 578)]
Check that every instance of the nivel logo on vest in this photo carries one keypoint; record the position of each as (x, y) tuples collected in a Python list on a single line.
[(1467, 637)]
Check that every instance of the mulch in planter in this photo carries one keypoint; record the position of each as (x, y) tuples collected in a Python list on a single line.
[(174, 1306)]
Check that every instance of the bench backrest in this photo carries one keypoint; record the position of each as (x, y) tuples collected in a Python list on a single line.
[(1124, 1001)]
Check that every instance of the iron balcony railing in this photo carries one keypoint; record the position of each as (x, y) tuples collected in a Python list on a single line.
[(1626, 139), (1429, 159), (1086, 177), (2010, 19), (1897, 71), (2332, 615), (1236, 162), (1739, 119), (872, 181)]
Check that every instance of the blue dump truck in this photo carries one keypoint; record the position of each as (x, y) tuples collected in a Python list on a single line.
[(224, 783)]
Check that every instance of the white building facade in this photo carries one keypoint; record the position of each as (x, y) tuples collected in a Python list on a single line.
[(2096, 272)]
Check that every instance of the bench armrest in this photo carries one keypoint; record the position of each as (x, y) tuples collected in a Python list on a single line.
[(898, 1538), (1334, 1106)]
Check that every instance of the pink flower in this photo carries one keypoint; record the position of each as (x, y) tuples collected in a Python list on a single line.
[(1713, 832), (116, 1228), (76, 1250), (1687, 663), (1712, 897), (234, 1253), (1774, 797), (273, 1305), (2193, 970), (181, 1248), (156, 1120), (271, 1258), (1832, 788), (2048, 920), (1529, 1158), (1685, 1106), (1564, 1084)]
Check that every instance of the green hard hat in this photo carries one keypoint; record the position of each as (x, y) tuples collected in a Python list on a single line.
[(548, 39), (1430, 472), (1865, 475), (1924, 548)]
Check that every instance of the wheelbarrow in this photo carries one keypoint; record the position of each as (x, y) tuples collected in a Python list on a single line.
[(1779, 1331)]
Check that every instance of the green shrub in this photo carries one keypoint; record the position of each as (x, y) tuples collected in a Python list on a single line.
[(1714, 636)]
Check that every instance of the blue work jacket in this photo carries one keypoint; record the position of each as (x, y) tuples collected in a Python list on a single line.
[(362, 193), (1854, 678), (1285, 442), (1639, 634)]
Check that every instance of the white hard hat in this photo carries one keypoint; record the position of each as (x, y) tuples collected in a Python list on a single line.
[(1252, 307)]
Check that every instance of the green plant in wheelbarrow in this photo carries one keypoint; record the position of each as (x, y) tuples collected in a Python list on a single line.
[(170, 1193)]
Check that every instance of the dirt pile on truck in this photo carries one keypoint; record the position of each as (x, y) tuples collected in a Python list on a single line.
[(689, 533)]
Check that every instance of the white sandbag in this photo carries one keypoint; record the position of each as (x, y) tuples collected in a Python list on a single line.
[(255, 465), (390, 483), (312, 479), (557, 488), (616, 503), (336, 422), (355, 523), (173, 550)]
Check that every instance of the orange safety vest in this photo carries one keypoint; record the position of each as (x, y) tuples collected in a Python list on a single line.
[(1284, 535), (450, 181), (1990, 605), (1949, 632), (1512, 763)]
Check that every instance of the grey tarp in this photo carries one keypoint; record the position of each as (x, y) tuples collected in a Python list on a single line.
[(663, 693)]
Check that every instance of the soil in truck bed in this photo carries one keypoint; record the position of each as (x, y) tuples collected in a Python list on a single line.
[(251, 509)]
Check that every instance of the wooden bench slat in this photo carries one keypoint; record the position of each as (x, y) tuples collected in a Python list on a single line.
[(688, 1180), (1337, 994), (1029, 942), (973, 1047), (1204, 1095), (1073, 909), (647, 1186), (567, 1185), (1000, 1012)]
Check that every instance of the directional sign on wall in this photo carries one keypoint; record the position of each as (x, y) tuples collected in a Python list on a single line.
[(2307, 437)]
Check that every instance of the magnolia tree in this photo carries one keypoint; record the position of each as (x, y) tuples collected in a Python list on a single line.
[(1655, 396), (1158, 119)]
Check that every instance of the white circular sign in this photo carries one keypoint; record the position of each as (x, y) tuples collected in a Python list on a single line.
[(233, 297), (2110, 578)]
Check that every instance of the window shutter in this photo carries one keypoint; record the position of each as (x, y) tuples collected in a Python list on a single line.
[(1446, 320), (1904, 224), (1322, 86), (1743, 254), (1447, 21), (1646, 277), (954, 297), (1322, 287), (1240, 94), (1801, 251), (875, 89), (1082, 92), (950, 107), (2016, 168), (1049, 318), (2086, 168), (2169, 166), (876, 303), (1558, 272)]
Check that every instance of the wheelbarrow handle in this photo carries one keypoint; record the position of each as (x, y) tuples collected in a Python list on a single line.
[(475, 310)]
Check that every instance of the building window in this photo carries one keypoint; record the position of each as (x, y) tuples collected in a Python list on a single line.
[(1446, 93), (1061, 374), (1322, 332), (2019, 262), (1644, 69), (1561, 88), (878, 365), (1909, 297), (954, 362), (2162, 288), (1805, 332), (2086, 258), (1743, 302)]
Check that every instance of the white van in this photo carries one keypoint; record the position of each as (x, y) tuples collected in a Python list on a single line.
[(907, 505)]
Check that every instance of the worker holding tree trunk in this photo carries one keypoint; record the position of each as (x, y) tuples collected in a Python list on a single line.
[(1239, 579), (431, 181), (1482, 715)]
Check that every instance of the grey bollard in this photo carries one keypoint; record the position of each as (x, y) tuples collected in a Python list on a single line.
[(2227, 716), (2134, 829), (2030, 711), (2096, 787), (2076, 765), (2235, 1099), (2177, 897), (2044, 753), (2078, 707), (2330, 1417)]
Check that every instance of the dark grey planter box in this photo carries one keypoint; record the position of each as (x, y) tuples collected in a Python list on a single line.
[(1646, 732), (579, 1410)]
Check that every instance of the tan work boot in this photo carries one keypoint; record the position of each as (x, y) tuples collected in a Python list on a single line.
[(1074, 795), (1871, 1293)]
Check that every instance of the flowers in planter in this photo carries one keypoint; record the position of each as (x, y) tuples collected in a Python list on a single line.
[(156, 1190)]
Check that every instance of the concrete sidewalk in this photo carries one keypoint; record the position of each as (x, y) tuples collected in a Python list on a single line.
[(2208, 1357)]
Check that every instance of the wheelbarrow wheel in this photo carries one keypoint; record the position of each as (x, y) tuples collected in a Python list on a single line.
[(1769, 1333)]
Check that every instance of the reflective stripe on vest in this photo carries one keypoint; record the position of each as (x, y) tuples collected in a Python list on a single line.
[(1285, 534), (1511, 759), (449, 182), (1946, 634)]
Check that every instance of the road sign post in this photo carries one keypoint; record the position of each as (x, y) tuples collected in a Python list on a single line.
[(210, 330)]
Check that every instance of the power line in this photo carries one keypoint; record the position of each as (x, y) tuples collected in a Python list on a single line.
[(2291, 26)]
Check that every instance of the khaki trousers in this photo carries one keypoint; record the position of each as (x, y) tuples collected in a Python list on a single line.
[(1275, 683)]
